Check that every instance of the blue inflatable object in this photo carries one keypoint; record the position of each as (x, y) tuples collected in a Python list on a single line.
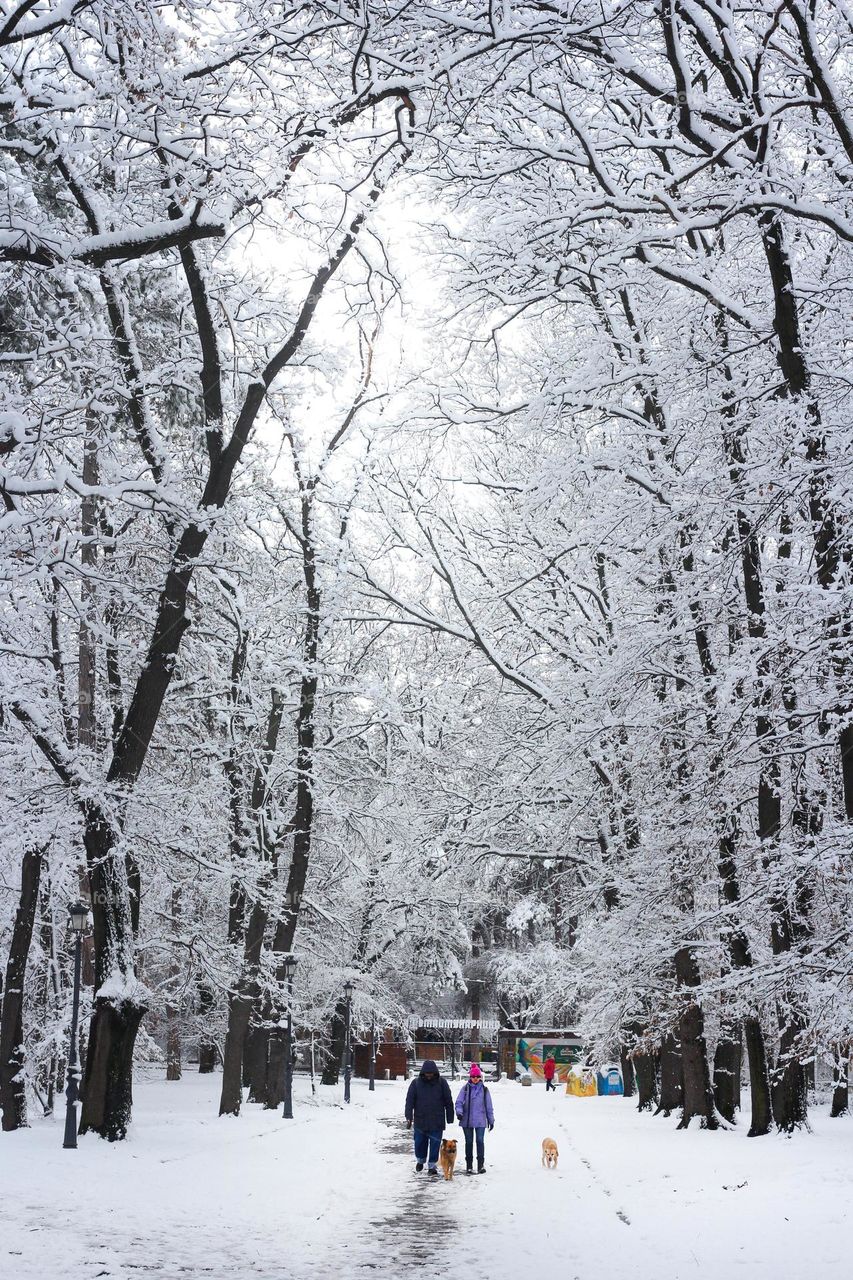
[(610, 1081)]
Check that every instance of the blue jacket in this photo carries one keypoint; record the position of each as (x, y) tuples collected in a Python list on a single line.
[(429, 1102), (474, 1106)]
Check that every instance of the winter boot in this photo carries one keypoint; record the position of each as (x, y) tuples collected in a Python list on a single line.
[(419, 1166), (469, 1166), (432, 1171), (481, 1168)]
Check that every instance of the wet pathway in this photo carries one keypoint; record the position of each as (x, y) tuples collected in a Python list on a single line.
[(420, 1223)]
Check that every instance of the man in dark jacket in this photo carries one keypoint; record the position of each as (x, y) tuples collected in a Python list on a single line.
[(429, 1105)]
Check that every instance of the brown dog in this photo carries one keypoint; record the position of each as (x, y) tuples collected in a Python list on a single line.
[(550, 1154), (447, 1157)]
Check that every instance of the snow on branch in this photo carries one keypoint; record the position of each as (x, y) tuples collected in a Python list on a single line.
[(22, 245), (12, 32), (47, 740)]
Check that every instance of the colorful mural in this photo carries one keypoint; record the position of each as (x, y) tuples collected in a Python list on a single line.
[(531, 1055)]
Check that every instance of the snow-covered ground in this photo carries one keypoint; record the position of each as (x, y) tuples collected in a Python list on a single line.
[(333, 1193)]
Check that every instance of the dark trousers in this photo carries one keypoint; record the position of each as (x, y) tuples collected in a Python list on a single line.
[(427, 1142), (469, 1145), (549, 1084)]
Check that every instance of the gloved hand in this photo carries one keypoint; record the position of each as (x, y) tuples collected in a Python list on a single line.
[(408, 1124), (491, 1127)]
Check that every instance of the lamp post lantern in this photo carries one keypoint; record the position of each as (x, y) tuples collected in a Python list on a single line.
[(348, 990), (78, 914), (289, 970)]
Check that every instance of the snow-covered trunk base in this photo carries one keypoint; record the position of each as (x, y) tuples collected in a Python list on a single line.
[(727, 1064), (108, 1081)]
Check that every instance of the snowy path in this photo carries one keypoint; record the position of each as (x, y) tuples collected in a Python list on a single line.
[(333, 1193), (404, 1236)]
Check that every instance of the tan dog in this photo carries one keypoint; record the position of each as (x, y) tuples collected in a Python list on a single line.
[(550, 1154), (447, 1157)]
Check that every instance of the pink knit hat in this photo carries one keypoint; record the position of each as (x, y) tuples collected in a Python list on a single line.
[(475, 1073)]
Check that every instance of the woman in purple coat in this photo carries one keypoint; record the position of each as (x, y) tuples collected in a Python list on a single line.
[(475, 1113)]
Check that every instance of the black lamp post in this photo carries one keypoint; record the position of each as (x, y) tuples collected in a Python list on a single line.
[(78, 914), (372, 1067), (348, 990), (289, 970)]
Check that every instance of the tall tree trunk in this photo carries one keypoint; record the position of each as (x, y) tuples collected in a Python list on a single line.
[(256, 1053), (337, 1044), (240, 1065), (769, 803), (173, 1025), (789, 927), (107, 1092), (741, 958), (239, 830), (108, 1080), (53, 999), (12, 1054), (840, 1098), (87, 736), (645, 1070), (789, 1088), (670, 1077), (275, 1069), (206, 1058), (240, 1002), (759, 1078), (303, 817), (207, 1045), (846, 749), (727, 1066), (831, 550), (174, 1061), (627, 1064), (118, 1010), (698, 1097)]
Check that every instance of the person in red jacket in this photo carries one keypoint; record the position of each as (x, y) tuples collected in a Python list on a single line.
[(549, 1069)]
